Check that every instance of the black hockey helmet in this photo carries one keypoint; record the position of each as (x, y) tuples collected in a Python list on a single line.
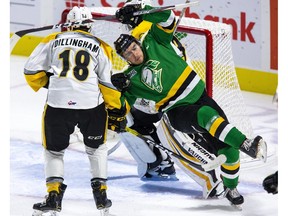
[(123, 42)]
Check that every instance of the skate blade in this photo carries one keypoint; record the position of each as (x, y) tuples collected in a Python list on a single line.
[(104, 212), (237, 207), (160, 178), (46, 213), (262, 152)]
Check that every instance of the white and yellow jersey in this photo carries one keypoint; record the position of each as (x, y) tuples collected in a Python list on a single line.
[(81, 68)]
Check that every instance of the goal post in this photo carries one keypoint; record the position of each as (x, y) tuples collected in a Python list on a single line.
[(208, 46)]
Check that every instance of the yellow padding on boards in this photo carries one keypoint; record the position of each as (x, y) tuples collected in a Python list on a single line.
[(257, 81), (26, 45)]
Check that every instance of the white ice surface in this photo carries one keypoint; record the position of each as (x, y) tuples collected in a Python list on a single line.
[(130, 195)]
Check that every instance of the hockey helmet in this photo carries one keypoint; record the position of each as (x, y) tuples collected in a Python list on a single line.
[(123, 42), (79, 14)]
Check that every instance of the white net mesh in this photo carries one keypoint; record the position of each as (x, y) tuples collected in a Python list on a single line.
[(225, 86)]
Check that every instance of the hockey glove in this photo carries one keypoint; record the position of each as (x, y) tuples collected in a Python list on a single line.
[(121, 81), (125, 15), (270, 183), (117, 120)]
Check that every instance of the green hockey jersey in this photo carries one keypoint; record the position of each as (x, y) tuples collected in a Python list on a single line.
[(164, 80)]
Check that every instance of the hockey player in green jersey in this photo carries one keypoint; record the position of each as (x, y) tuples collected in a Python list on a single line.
[(145, 122), (163, 82)]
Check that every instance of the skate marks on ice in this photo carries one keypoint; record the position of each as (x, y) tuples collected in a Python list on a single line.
[(27, 167), (264, 117), (266, 124), (125, 188)]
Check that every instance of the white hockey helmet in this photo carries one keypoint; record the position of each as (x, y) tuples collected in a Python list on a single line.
[(79, 14), (138, 2)]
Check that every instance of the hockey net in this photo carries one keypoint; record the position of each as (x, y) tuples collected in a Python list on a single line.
[(208, 46)]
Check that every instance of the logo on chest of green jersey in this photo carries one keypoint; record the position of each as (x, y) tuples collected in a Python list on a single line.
[(151, 75)]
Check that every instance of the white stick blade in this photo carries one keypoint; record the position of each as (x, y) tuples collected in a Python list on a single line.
[(213, 164)]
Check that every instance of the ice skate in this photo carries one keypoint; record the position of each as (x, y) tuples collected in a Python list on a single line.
[(255, 148), (235, 198), (52, 203), (99, 193), (164, 171)]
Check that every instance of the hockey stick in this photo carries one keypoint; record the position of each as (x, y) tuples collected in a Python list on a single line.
[(171, 7), (205, 166), (110, 151), (181, 15), (17, 35)]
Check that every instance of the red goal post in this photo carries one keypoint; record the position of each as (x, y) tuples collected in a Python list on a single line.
[(209, 49)]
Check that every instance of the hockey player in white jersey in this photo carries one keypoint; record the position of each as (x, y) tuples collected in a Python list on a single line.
[(75, 67)]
